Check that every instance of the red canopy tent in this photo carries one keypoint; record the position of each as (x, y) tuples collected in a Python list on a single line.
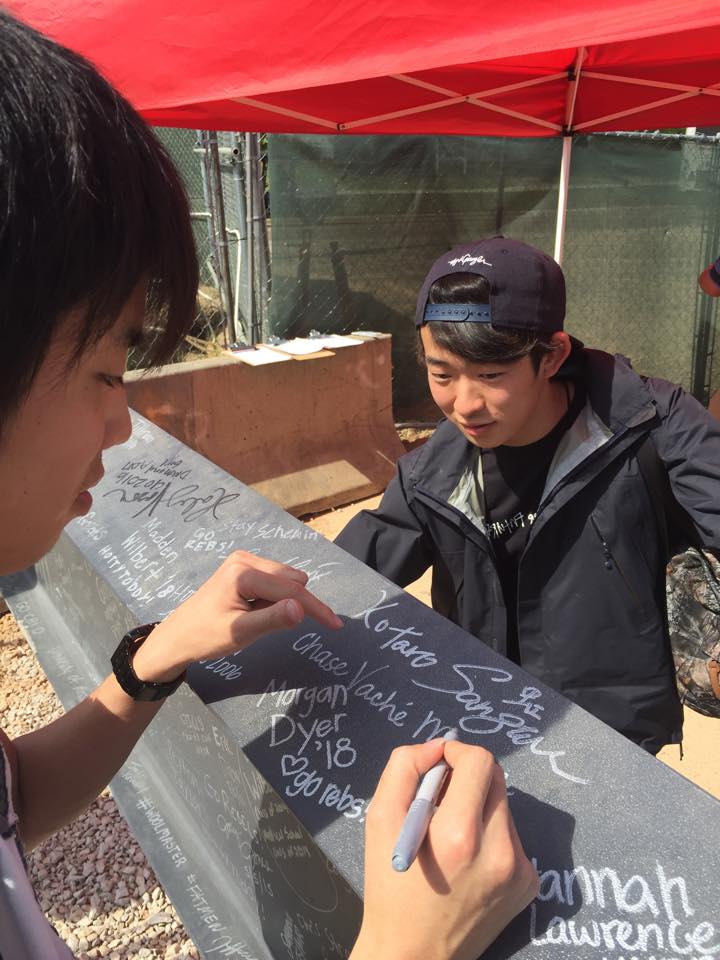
[(315, 66), (552, 68)]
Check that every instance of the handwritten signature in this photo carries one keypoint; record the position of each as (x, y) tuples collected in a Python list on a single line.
[(193, 505), (483, 719)]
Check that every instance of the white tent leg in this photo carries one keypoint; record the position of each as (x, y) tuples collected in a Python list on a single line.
[(562, 197)]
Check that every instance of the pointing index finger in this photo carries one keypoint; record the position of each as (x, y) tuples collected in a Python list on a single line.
[(271, 566), (271, 587), (318, 610)]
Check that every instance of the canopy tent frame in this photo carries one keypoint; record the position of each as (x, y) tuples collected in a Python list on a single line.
[(479, 99)]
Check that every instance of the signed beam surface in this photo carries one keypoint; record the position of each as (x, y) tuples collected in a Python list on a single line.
[(249, 790)]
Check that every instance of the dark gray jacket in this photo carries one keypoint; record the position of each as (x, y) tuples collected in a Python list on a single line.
[(591, 611)]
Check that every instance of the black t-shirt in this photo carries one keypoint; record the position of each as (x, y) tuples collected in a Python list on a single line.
[(513, 482)]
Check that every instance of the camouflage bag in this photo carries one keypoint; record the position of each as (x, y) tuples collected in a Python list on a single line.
[(693, 615), (692, 591)]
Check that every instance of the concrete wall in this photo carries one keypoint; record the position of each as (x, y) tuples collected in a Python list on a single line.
[(308, 434)]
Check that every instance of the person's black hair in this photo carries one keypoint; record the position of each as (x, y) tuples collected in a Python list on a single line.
[(90, 206), (480, 342)]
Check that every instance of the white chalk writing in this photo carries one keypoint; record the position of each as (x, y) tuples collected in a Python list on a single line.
[(635, 914), (306, 782), (397, 641), (484, 719)]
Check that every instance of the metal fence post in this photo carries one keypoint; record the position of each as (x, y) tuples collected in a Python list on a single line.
[(705, 308), (258, 269), (212, 185), (242, 290), (250, 248)]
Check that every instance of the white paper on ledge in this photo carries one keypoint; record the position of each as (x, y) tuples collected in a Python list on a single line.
[(257, 356), (298, 347), (333, 340)]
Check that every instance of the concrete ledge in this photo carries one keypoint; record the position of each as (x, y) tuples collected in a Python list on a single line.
[(308, 434)]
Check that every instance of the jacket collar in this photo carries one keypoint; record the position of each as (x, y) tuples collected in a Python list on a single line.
[(449, 466), (442, 461), (618, 396)]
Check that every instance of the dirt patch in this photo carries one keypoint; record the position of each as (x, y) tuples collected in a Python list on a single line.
[(412, 437)]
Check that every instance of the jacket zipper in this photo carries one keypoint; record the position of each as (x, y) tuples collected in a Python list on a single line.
[(610, 559), (478, 536), (459, 515)]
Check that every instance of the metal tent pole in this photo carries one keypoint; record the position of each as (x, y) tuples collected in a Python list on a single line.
[(573, 76), (562, 197)]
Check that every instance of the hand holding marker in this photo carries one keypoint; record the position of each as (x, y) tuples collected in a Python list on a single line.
[(417, 820)]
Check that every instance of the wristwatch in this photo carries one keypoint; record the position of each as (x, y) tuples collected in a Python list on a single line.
[(127, 678)]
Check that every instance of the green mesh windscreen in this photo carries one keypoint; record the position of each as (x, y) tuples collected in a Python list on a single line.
[(356, 221)]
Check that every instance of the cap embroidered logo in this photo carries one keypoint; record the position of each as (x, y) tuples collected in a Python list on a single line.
[(470, 261)]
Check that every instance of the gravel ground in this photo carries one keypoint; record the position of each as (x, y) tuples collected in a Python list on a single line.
[(92, 879)]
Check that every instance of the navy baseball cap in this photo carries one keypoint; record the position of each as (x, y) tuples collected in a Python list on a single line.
[(527, 287)]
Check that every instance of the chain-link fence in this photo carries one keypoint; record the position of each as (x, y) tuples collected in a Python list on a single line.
[(225, 176), (644, 220), (357, 220), (244, 175), (184, 147)]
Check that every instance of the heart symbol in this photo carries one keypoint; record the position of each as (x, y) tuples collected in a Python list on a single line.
[(291, 765)]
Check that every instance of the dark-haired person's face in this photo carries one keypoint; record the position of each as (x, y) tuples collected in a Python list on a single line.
[(51, 449), (494, 404)]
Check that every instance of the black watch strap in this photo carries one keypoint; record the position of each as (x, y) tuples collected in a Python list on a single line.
[(121, 662)]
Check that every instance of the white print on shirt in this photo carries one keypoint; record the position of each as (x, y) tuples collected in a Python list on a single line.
[(471, 261), (502, 528)]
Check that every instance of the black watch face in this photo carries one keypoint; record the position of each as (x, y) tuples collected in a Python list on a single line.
[(121, 668)]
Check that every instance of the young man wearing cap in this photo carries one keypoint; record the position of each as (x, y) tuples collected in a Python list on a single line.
[(529, 502)]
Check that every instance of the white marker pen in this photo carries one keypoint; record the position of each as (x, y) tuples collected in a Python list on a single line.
[(417, 820)]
